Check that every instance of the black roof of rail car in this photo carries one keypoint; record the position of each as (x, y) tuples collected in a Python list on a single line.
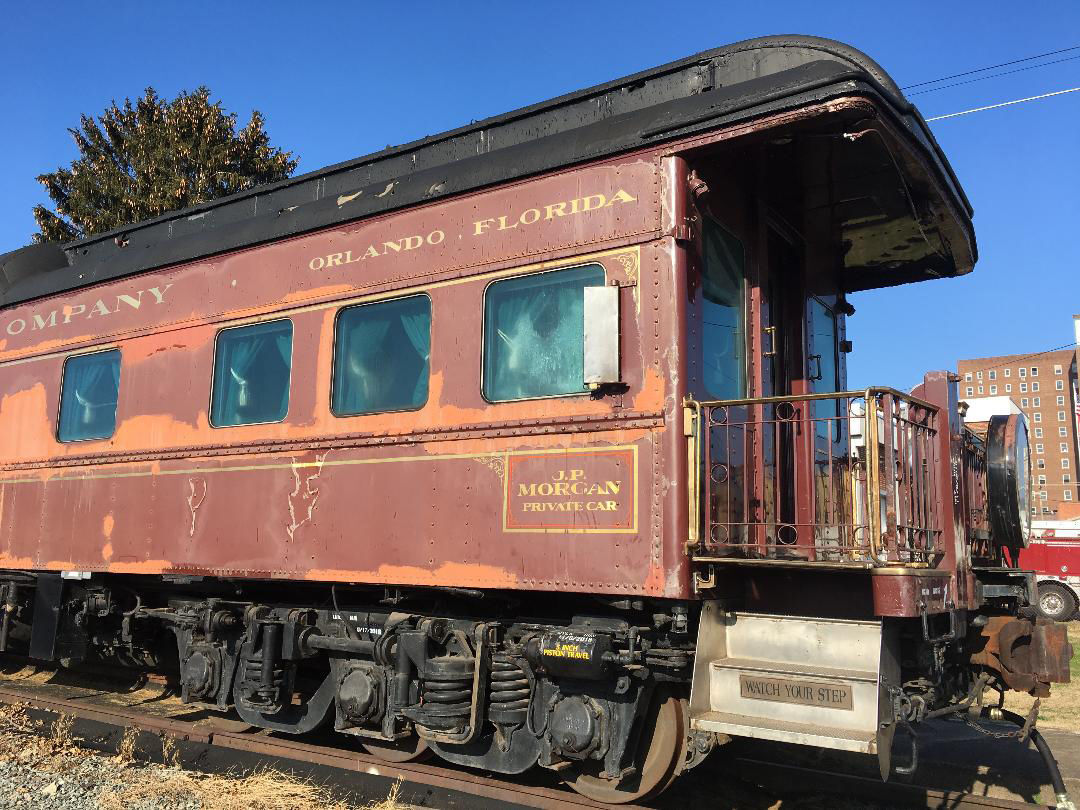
[(736, 82)]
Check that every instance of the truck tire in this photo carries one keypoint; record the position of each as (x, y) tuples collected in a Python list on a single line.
[(1056, 602)]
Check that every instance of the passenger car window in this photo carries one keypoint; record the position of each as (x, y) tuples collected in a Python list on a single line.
[(89, 390), (534, 334), (382, 356), (252, 368), (723, 321)]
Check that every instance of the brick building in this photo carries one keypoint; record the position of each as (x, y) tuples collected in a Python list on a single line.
[(1043, 386)]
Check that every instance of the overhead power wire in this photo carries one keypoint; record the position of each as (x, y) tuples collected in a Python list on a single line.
[(993, 76), (1003, 104), (991, 67), (1016, 358)]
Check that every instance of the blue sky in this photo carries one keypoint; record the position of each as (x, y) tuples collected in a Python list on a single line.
[(336, 81)]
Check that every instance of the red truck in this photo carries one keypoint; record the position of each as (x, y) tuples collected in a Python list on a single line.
[(1054, 555)]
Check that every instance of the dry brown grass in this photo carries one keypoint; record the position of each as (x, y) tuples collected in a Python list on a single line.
[(263, 790), (1062, 708), (61, 734), (31, 742), (125, 749), (392, 800), (170, 756), (52, 746)]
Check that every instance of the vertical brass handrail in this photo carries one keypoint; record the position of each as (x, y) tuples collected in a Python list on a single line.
[(873, 484), (692, 431)]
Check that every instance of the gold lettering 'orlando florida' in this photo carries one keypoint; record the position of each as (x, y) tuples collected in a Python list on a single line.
[(479, 228)]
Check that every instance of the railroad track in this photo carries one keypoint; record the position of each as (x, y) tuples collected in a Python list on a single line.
[(218, 743)]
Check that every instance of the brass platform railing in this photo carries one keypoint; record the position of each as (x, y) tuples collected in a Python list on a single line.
[(845, 478)]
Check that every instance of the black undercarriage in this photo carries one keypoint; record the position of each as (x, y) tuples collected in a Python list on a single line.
[(595, 688), (493, 680)]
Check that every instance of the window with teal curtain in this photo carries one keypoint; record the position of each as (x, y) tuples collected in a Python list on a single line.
[(534, 334), (90, 388), (723, 334), (252, 369), (382, 356)]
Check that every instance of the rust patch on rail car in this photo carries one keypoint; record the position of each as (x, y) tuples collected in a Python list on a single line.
[(27, 407), (446, 573), (305, 495)]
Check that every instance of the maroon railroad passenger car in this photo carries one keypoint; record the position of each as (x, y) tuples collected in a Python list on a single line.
[(530, 443)]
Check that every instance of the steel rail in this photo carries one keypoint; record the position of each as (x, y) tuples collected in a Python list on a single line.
[(211, 733), (224, 734)]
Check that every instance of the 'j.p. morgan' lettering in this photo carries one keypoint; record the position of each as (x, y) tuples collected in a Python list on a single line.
[(576, 490), (86, 309)]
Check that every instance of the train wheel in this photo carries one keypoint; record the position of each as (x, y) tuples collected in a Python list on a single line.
[(678, 765), (411, 749), (661, 749)]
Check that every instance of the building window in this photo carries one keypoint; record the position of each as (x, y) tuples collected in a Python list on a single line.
[(1034, 371), (533, 332), (1024, 401), (1008, 372), (993, 375), (1037, 417), (1023, 388), (980, 389), (1034, 387), (970, 390), (1040, 463), (1063, 448), (1057, 368), (978, 375), (1042, 495), (89, 389), (1038, 433), (1060, 399), (1042, 480), (993, 389), (1059, 385), (252, 369), (967, 377), (1068, 495), (1022, 372), (382, 356), (1061, 416), (1066, 478), (1063, 431), (1039, 449), (1064, 464), (1036, 402), (1008, 388)]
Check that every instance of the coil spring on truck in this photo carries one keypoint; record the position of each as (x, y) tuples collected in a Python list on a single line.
[(508, 692), (447, 695)]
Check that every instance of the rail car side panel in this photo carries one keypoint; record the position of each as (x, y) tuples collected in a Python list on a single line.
[(564, 493)]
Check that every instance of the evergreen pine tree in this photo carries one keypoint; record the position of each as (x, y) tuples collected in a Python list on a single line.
[(141, 160)]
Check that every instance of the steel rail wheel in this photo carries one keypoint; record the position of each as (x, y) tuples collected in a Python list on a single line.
[(661, 747), (678, 764), (411, 749)]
